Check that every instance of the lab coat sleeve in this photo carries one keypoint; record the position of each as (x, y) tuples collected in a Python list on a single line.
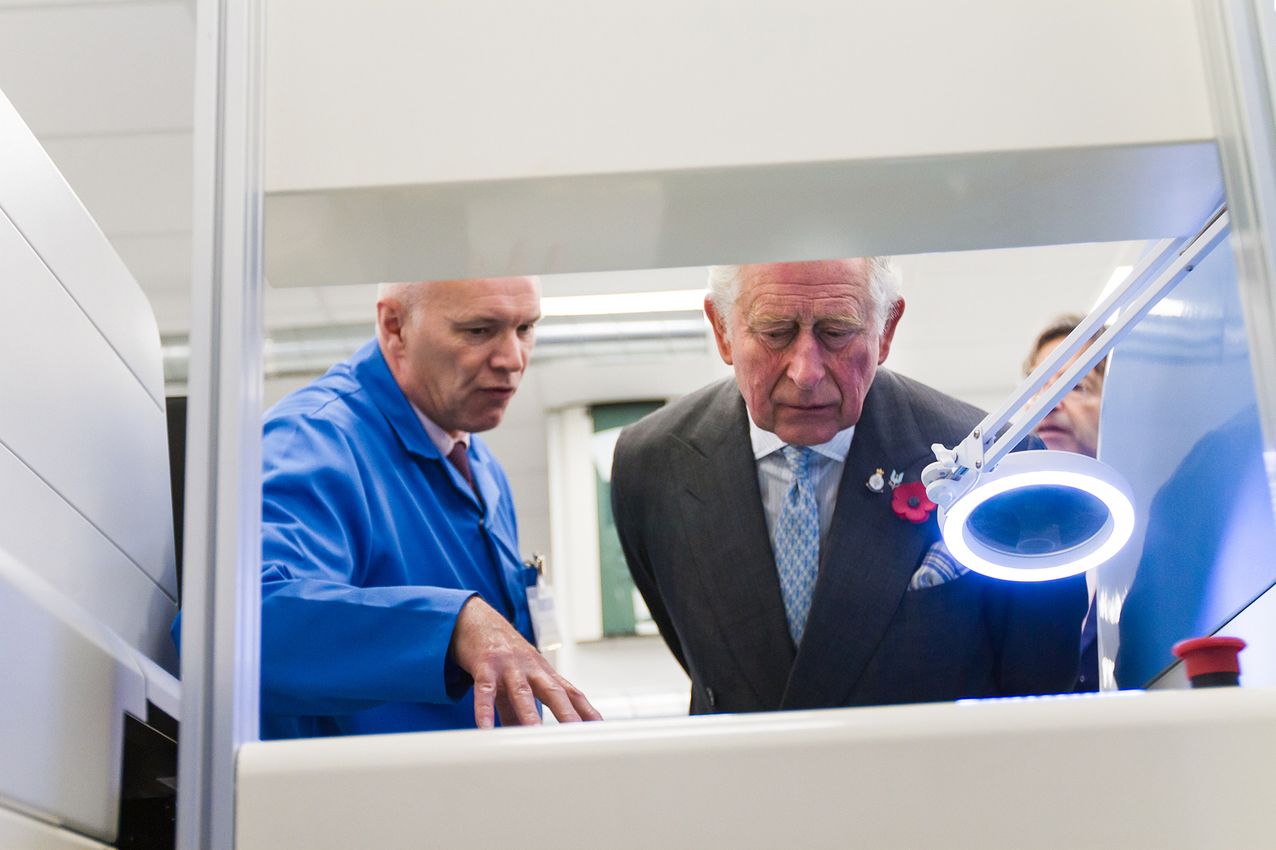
[(328, 645)]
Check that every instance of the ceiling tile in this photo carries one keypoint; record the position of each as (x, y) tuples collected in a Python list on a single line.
[(160, 262), (132, 184)]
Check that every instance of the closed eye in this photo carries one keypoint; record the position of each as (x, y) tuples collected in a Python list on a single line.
[(837, 337), (775, 336)]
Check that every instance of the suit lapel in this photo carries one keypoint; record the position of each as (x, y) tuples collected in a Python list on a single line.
[(731, 551), (869, 557)]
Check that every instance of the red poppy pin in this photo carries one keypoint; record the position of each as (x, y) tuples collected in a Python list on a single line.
[(909, 502)]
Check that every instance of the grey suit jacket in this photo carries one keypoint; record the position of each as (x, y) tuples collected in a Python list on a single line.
[(689, 514)]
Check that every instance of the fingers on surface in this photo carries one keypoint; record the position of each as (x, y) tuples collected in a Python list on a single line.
[(518, 691)]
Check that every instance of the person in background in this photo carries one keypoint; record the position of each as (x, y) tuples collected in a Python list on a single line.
[(1073, 426), (393, 594), (777, 528)]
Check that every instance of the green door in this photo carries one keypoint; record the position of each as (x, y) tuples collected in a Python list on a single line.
[(620, 614)]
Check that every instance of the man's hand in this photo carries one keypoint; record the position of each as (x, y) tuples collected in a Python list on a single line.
[(509, 674)]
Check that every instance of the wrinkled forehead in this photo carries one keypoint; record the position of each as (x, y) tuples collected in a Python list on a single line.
[(828, 288), (486, 287), (481, 296)]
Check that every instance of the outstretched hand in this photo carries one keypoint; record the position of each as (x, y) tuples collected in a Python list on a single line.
[(509, 674)]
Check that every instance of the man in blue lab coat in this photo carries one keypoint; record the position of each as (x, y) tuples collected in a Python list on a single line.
[(393, 595)]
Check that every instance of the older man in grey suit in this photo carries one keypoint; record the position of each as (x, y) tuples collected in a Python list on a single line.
[(777, 529)]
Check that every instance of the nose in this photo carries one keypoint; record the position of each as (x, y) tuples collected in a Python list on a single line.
[(806, 362), (1060, 404), (509, 353)]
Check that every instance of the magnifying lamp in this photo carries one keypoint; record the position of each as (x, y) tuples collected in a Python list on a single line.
[(1041, 515)]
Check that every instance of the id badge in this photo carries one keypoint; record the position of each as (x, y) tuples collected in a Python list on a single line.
[(540, 602)]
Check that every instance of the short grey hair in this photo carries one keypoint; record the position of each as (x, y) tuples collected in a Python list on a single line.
[(884, 289), (408, 294)]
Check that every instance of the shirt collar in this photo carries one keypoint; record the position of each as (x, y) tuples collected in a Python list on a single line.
[(765, 442), (443, 441)]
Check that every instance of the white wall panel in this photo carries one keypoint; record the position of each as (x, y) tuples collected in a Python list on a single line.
[(386, 92), (751, 213), (475, 137)]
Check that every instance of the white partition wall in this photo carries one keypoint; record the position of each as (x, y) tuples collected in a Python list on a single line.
[(471, 137)]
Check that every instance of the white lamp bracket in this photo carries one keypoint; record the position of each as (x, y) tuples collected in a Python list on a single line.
[(956, 471), (1041, 515)]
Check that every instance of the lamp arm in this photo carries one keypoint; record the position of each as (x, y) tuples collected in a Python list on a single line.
[(955, 471)]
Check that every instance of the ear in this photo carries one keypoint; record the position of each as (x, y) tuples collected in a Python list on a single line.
[(719, 330), (391, 318), (888, 332)]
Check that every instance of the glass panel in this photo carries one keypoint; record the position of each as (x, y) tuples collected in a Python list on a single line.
[(1180, 421)]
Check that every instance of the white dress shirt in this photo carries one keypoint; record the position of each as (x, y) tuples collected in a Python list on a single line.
[(442, 440), (775, 480)]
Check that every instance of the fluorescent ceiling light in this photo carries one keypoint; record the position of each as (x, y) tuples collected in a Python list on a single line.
[(1118, 276), (617, 303)]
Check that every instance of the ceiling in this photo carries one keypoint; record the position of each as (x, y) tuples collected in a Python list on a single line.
[(106, 85)]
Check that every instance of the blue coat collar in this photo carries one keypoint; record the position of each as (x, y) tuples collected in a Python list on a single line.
[(373, 374)]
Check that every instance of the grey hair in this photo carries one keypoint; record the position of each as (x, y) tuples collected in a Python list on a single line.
[(884, 288), (412, 293), (408, 294)]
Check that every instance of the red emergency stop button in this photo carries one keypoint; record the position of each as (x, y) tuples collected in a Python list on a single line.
[(1211, 661)]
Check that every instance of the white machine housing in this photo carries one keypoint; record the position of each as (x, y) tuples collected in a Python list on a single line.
[(88, 583)]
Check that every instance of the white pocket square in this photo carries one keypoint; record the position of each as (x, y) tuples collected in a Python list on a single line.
[(938, 567)]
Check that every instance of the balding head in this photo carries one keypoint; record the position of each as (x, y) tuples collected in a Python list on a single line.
[(458, 348)]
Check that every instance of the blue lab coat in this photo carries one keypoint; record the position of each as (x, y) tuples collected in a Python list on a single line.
[(372, 542)]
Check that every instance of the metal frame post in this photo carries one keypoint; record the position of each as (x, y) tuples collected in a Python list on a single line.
[(222, 556)]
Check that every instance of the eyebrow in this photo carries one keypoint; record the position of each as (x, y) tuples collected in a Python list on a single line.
[(490, 319), (848, 319)]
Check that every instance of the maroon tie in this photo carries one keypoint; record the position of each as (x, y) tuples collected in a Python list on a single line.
[(461, 461)]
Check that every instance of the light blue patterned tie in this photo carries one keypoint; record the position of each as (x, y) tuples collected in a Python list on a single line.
[(797, 542)]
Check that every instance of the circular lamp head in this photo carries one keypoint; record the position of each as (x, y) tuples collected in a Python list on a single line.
[(1040, 515)]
